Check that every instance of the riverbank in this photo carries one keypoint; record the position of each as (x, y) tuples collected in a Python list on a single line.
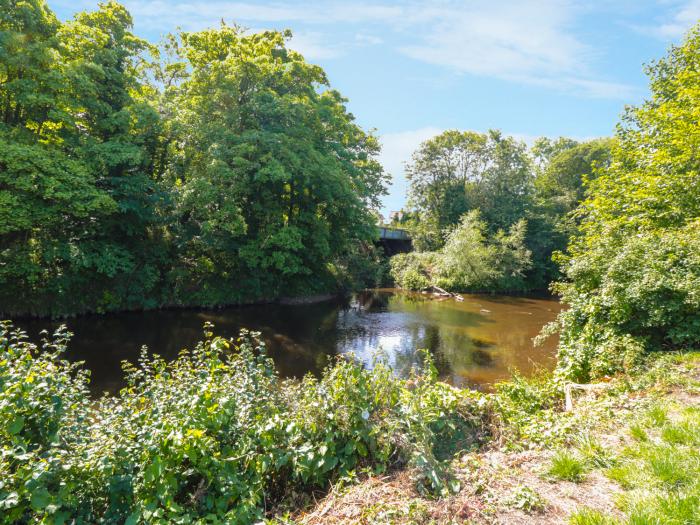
[(624, 454), (217, 434)]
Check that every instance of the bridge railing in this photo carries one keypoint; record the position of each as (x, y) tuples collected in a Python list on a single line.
[(395, 234)]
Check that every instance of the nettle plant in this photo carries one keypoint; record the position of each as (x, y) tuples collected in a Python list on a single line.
[(214, 436)]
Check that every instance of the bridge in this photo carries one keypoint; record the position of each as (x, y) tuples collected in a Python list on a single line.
[(393, 240)]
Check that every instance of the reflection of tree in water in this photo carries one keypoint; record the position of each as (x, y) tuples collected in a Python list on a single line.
[(465, 342)]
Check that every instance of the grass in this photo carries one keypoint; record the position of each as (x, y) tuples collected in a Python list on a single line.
[(593, 453), (661, 472), (586, 516), (567, 466), (642, 432)]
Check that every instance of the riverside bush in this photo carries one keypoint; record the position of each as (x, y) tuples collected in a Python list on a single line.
[(212, 437), (469, 260), (628, 296)]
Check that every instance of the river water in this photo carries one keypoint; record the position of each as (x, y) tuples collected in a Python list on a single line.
[(475, 342)]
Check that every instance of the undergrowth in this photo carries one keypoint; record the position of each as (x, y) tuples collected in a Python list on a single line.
[(212, 437)]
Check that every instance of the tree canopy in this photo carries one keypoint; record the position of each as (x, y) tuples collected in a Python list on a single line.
[(218, 168), (456, 173), (633, 275)]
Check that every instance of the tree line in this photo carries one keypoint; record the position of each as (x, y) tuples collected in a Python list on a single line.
[(614, 223), (216, 168), (487, 213)]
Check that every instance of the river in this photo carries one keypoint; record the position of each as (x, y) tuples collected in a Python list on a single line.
[(475, 342)]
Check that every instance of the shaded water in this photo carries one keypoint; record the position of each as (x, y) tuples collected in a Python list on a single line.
[(475, 343)]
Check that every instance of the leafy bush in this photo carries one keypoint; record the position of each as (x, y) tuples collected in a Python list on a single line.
[(214, 435), (628, 296), (412, 270), (633, 274), (468, 260)]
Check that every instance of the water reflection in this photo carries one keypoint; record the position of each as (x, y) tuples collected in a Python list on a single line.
[(475, 342)]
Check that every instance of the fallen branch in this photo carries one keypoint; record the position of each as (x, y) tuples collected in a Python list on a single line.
[(444, 293)]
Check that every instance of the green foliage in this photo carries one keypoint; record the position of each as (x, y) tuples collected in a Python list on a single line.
[(628, 296), (633, 274), (594, 454), (559, 188), (588, 516), (214, 435), (456, 172), (662, 471), (221, 168), (412, 270), (526, 499), (468, 260), (273, 178)]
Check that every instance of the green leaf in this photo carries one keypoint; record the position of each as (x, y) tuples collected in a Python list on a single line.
[(16, 425), (40, 498)]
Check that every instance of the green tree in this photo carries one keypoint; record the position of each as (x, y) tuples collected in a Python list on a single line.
[(471, 259), (273, 178), (456, 172), (559, 189), (633, 275)]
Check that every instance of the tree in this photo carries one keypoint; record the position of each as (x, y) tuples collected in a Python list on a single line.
[(632, 274), (456, 172), (469, 260), (559, 189), (273, 178), (81, 205)]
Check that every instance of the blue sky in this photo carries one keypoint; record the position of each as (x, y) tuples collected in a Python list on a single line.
[(412, 69)]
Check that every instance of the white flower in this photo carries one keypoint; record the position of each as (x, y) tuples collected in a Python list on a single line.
[(365, 414)]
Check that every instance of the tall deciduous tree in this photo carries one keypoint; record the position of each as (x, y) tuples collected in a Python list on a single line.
[(633, 275), (456, 172), (274, 179)]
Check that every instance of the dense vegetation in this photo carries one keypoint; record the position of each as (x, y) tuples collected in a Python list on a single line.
[(218, 168), (213, 437), (621, 217), (221, 168), (487, 214), (633, 272)]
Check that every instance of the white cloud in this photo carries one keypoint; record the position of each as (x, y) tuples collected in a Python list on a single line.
[(530, 42), (520, 41), (314, 46), (369, 40), (684, 16)]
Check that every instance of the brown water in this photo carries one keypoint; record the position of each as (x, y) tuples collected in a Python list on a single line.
[(475, 343)]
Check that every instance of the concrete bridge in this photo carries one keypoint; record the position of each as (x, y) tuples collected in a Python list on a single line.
[(393, 240)]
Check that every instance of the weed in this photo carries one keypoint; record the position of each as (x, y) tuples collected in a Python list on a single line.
[(638, 433), (593, 453), (566, 465), (526, 499), (588, 516), (657, 415)]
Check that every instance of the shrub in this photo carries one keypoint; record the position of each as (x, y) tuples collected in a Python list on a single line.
[(630, 296), (468, 260), (215, 435), (412, 271)]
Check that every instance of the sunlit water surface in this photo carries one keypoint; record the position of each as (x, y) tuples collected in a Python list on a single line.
[(475, 342)]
